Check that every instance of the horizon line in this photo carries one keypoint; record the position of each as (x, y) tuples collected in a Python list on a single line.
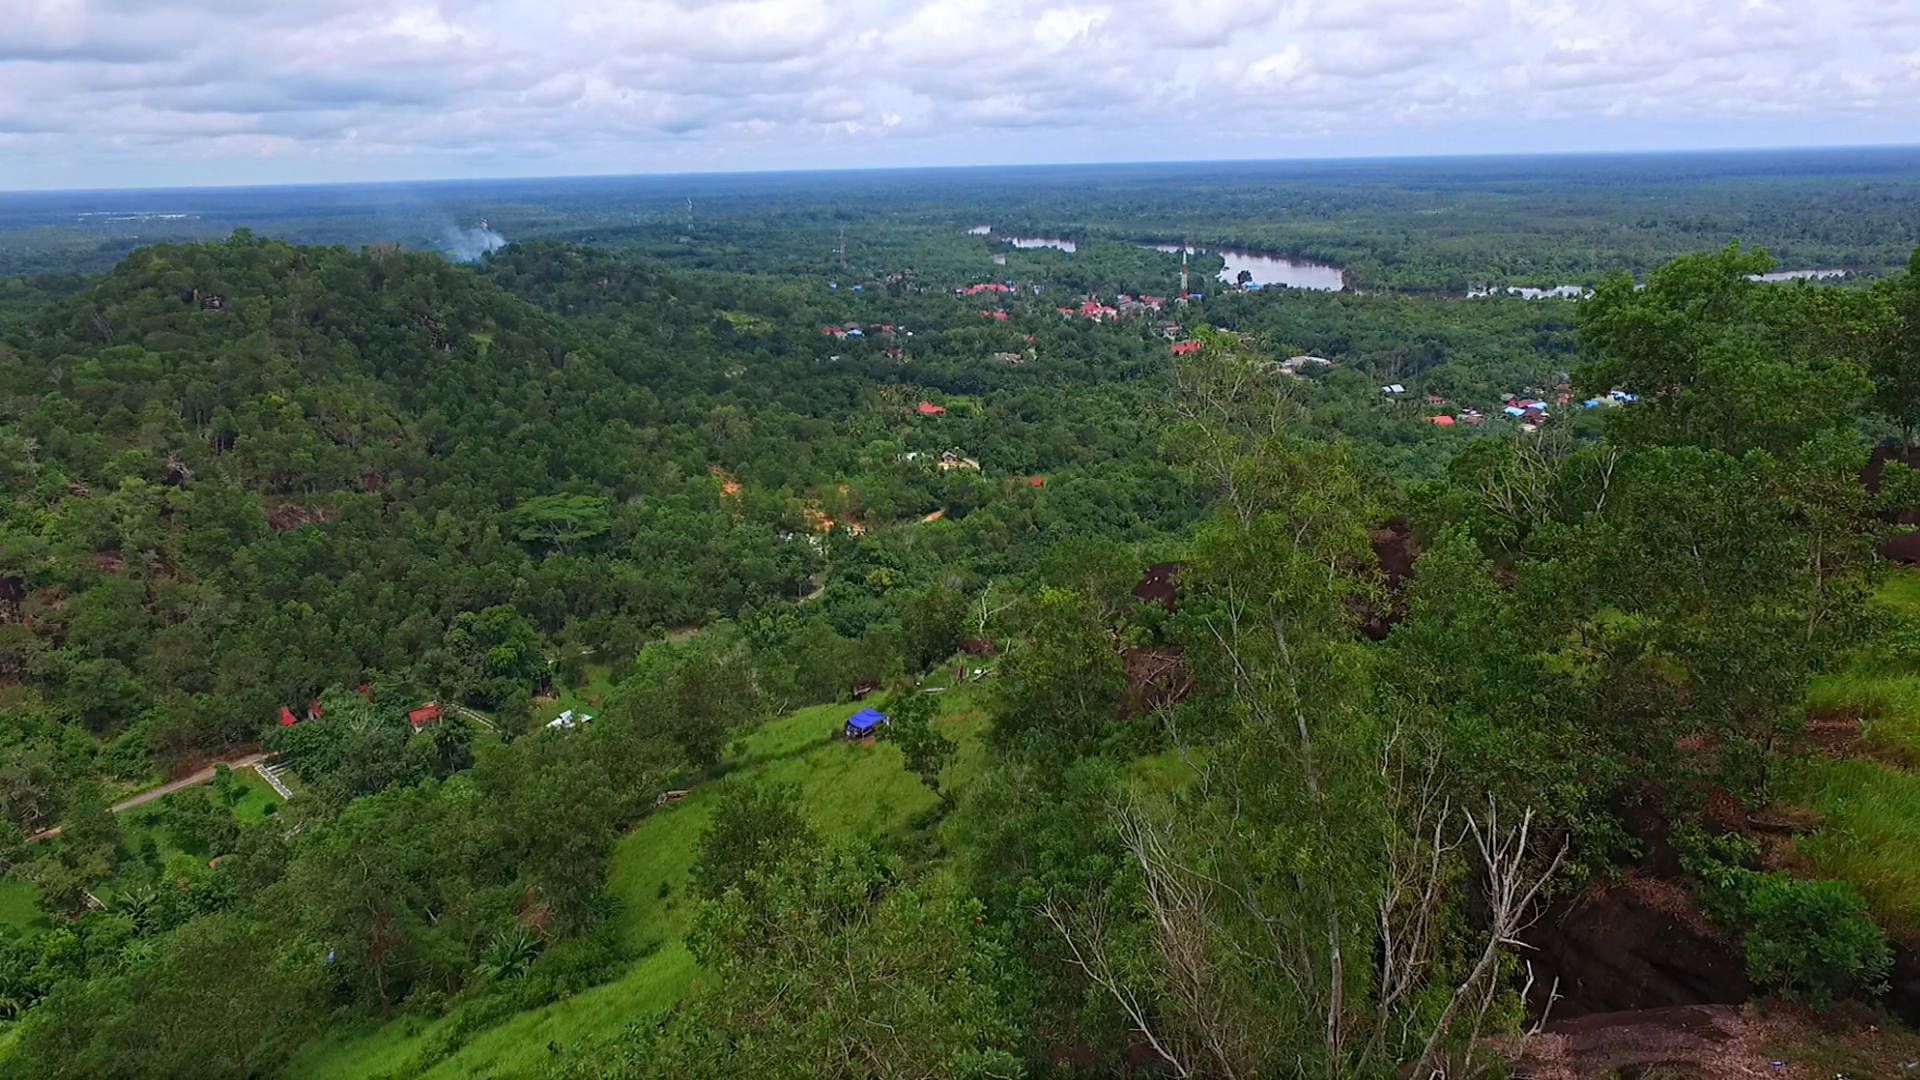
[(829, 170)]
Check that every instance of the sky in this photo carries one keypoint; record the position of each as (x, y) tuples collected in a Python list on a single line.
[(131, 93)]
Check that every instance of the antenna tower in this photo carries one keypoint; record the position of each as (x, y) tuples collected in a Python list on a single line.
[(842, 249), (1185, 250)]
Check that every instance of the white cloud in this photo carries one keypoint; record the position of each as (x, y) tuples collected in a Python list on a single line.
[(149, 91)]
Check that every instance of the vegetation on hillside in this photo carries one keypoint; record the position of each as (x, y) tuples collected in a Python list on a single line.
[(1398, 689)]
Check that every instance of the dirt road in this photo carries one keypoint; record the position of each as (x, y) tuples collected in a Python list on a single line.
[(168, 788)]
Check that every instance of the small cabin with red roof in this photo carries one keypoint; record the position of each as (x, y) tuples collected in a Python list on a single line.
[(287, 719), (1185, 348), (928, 408), (425, 714)]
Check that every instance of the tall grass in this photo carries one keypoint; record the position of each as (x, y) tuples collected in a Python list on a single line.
[(1870, 836)]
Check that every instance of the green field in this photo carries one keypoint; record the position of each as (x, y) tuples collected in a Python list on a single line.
[(853, 790), (20, 907)]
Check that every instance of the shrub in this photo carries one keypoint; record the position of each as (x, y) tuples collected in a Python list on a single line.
[(1812, 941), (1808, 941)]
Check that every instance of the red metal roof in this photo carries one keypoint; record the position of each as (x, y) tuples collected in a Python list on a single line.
[(287, 719), (425, 713), (1184, 348), (928, 408)]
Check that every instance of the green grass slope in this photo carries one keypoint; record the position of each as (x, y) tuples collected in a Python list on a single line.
[(1869, 803), (854, 790)]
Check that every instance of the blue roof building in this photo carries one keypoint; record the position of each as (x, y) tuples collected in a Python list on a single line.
[(862, 724)]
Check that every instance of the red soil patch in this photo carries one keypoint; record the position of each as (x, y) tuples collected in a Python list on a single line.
[(728, 485)]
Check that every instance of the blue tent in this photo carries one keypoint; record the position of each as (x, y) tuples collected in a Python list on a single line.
[(863, 722)]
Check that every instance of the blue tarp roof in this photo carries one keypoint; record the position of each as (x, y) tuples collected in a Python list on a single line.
[(866, 719)]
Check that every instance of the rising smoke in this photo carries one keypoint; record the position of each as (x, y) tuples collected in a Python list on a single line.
[(466, 245)]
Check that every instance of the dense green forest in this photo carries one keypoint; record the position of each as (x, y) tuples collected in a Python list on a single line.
[(1244, 720)]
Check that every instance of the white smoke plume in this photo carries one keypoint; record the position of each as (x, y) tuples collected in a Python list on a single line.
[(466, 245)]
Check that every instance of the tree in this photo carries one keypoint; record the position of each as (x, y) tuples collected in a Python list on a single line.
[(754, 829), (498, 658), (173, 1013), (909, 726), (933, 617), (1719, 361), (354, 747), (795, 963), (692, 695), (561, 520), (1896, 364), (88, 849)]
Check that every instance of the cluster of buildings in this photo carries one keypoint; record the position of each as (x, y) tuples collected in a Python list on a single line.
[(1294, 365), (1124, 304), (954, 458), (1530, 412)]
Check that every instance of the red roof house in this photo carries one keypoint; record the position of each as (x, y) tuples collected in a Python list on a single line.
[(424, 714), (1443, 420), (1185, 348), (928, 408), (287, 719)]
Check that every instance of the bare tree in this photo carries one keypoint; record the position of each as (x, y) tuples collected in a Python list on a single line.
[(1514, 882)]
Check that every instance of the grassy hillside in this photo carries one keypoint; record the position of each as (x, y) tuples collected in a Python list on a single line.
[(1869, 802), (847, 789)]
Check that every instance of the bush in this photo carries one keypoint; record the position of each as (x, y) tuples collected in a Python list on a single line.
[(1808, 941), (1813, 942)]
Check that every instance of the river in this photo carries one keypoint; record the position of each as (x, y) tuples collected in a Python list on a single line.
[(1269, 268)]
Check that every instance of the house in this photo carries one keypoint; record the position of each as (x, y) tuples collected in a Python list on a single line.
[(569, 719), (1393, 388), (1442, 420), (1293, 364), (998, 314), (1009, 358), (955, 459), (864, 687), (928, 408), (1435, 399), (425, 714), (1185, 348), (1514, 410), (313, 708), (863, 723), (287, 719)]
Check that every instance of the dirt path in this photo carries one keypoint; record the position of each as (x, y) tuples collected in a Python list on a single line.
[(168, 788)]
